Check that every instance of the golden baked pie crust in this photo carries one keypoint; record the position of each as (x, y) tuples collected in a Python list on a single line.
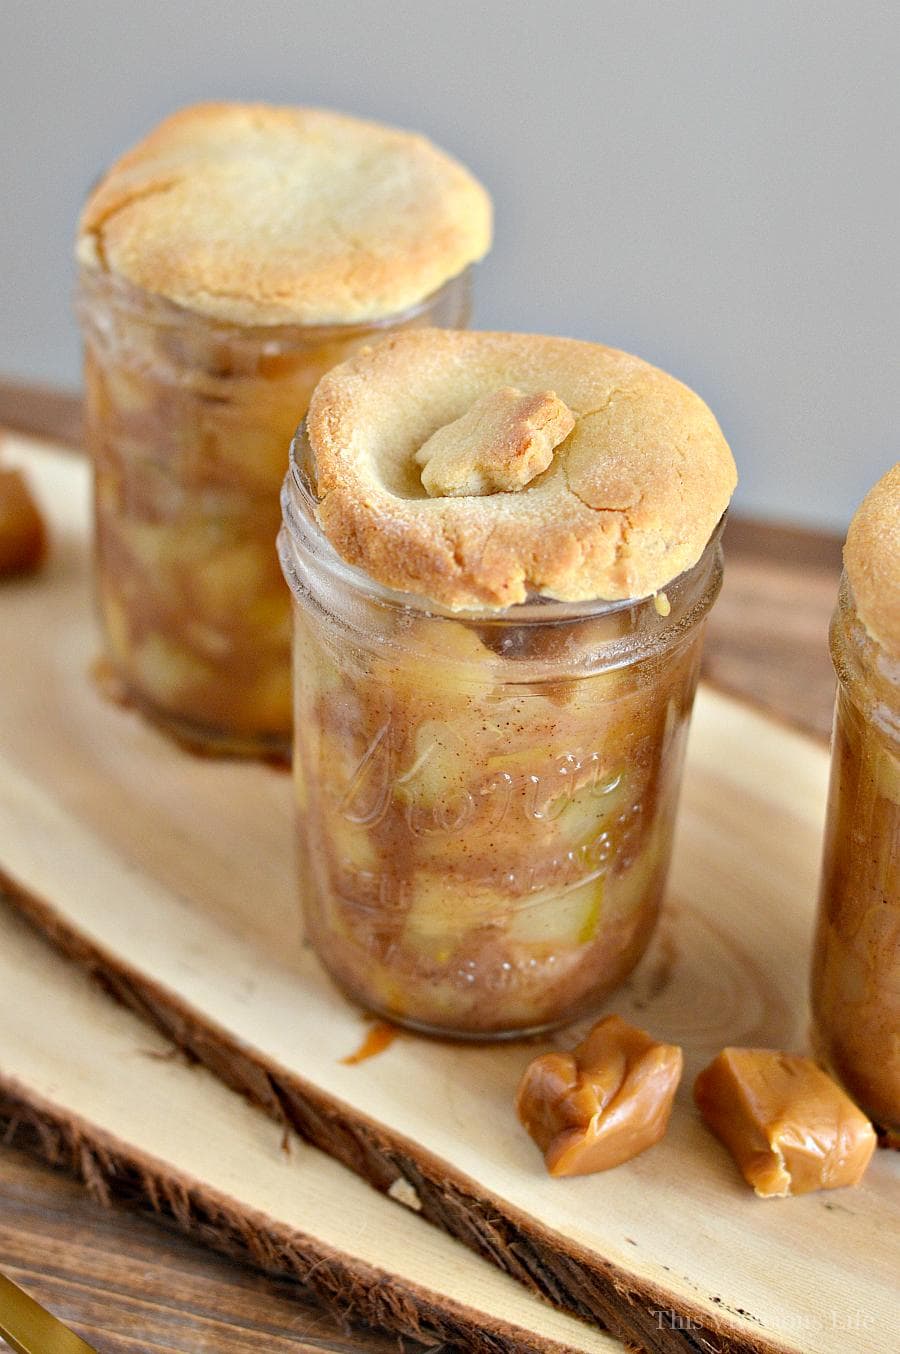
[(628, 502), (872, 560), (261, 215)]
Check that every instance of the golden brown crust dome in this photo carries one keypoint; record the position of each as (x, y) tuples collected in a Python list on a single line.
[(628, 501), (872, 561), (262, 215)]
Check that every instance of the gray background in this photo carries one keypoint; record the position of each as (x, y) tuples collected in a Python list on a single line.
[(713, 186)]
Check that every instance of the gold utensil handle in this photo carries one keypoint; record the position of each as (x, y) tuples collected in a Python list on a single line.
[(29, 1329)]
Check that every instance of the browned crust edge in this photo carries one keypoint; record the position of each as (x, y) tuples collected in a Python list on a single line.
[(550, 1264)]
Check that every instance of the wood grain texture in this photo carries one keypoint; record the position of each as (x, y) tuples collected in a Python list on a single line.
[(156, 872), (127, 1284), (766, 641)]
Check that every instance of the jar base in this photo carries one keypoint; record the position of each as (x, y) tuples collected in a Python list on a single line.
[(202, 740), (455, 1035)]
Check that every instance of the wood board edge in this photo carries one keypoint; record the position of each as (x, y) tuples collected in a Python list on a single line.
[(644, 1316), (116, 1173)]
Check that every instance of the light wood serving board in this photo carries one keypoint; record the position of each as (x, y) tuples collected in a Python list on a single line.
[(95, 1089), (170, 878)]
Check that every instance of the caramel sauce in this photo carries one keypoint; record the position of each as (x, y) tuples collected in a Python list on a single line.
[(380, 1037)]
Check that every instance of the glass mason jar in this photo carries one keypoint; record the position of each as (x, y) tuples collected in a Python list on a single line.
[(188, 421), (856, 959), (485, 803)]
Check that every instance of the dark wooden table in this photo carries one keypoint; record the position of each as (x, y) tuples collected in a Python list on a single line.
[(125, 1283)]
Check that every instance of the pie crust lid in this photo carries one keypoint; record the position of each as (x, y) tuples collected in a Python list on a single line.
[(263, 215), (872, 561), (624, 472)]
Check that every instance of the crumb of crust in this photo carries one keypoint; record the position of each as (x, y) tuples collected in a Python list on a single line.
[(23, 536), (500, 444)]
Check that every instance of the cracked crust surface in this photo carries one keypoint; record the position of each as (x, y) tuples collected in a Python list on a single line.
[(265, 215), (872, 561), (627, 503)]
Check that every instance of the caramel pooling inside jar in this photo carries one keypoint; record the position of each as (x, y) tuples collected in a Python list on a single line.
[(789, 1127), (604, 1102), (23, 540)]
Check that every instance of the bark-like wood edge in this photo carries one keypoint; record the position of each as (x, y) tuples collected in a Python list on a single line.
[(116, 1173), (641, 1314)]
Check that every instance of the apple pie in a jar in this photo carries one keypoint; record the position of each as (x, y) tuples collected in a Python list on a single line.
[(856, 962), (502, 549), (226, 263)]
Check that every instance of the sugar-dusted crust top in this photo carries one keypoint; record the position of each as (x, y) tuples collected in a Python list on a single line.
[(268, 215), (628, 501), (872, 560)]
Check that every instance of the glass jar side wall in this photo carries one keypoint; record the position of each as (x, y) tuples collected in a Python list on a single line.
[(188, 423), (485, 826), (856, 958)]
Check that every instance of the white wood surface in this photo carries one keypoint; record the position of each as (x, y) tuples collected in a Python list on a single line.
[(182, 869)]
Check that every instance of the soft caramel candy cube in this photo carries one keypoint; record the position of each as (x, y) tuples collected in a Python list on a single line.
[(604, 1102), (789, 1127), (23, 540)]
